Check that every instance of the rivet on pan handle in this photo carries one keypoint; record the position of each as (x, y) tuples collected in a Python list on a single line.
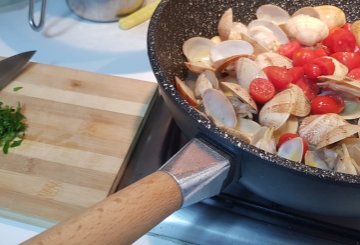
[(194, 173), (38, 26)]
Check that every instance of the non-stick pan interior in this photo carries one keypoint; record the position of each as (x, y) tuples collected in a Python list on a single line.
[(176, 21)]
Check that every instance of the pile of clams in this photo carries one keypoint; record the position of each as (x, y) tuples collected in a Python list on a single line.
[(225, 65)]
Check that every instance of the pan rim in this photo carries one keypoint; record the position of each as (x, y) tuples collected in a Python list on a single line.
[(168, 87)]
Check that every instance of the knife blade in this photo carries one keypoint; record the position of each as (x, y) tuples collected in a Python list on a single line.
[(12, 66)]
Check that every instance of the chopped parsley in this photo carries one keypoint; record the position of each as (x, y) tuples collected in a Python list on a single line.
[(12, 127), (17, 89)]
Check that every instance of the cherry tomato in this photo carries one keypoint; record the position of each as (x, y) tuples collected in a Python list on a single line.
[(310, 89), (323, 104), (261, 90), (326, 65), (350, 59), (303, 56), (322, 51), (354, 73), (288, 136), (296, 72), (280, 77), (288, 49), (312, 71), (340, 40)]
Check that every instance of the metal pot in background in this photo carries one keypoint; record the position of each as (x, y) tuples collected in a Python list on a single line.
[(94, 10)]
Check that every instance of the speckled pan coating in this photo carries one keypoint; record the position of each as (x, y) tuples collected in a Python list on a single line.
[(200, 18)]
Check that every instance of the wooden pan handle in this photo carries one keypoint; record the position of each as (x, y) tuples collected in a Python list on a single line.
[(121, 218)]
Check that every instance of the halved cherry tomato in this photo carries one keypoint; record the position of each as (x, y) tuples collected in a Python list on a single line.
[(322, 51), (288, 49), (326, 65), (296, 72), (323, 104), (303, 56), (310, 89), (288, 136), (312, 70), (350, 59), (261, 90), (340, 40), (280, 77), (354, 73)]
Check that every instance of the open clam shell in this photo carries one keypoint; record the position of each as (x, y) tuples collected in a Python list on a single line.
[(219, 108), (306, 29), (345, 164), (241, 93), (347, 86), (225, 24), (292, 149), (237, 31), (245, 129), (258, 47), (205, 80), (351, 109), (275, 29), (272, 13), (199, 66), (355, 29), (197, 49), (230, 48), (290, 126), (310, 11), (273, 59), (313, 159), (186, 92), (246, 71), (337, 134), (301, 105), (263, 139)]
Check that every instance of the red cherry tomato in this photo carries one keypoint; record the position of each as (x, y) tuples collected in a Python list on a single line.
[(312, 71), (261, 90), (280, 77), (303, 56), (323, 104), (288, 49), (340, 40), (288, 136), (320, 52), (296, 72), (354, 73), (350, 59), (326, 65), (310, 89)]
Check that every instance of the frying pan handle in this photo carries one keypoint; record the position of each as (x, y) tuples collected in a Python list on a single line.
[(122, 217), (196, 172)]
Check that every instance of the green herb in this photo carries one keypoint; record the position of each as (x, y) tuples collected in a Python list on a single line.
[(17, 89), (12, 127)]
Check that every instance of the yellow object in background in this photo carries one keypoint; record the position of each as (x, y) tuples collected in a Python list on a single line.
[(138, 16)]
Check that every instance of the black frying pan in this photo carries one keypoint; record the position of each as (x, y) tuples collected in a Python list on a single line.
[(128, 214)]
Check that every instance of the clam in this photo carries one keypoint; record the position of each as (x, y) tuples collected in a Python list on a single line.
[(225, 24), (186, 92), (246, 71), (292, 149), (355, 29), (306, 29), (258, 47), (301, 105), (245, 129), (228, 65), (199, 66), (197, 49), (313, 159), (230, 48), (264, 37), (219, 108), (314, 128), (338, 133), (241, 93), (237, 31), (272, 13), (332, 16), (290, 126), (310, 11), (216, 39), (351, 109), (263, 139), (341, 70), (276, 30), (347, 86), (205, 80), (345, 164), (272, 59), (242, 109)]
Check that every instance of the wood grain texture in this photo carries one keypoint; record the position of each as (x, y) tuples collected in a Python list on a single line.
[(80, 128), (122, 218)]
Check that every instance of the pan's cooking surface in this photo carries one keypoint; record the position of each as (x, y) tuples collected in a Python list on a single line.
[(167, 60), (237, 216)]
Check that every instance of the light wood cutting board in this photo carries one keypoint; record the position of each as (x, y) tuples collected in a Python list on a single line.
[(80, 128)]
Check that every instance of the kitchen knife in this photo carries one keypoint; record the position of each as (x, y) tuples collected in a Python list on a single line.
[(12, 66)]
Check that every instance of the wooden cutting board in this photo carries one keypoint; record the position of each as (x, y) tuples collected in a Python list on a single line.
[(80, 128)]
